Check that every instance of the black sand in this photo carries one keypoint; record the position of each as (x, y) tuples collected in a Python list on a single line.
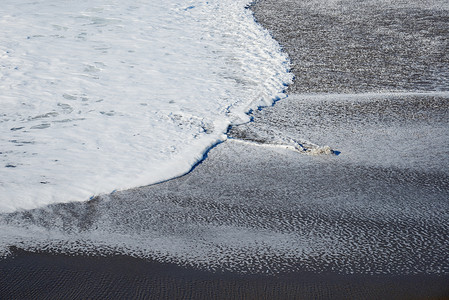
[(370, 223), (52, 276), (361, 46)]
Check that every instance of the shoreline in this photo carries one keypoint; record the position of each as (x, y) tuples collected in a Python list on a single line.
[(262, 190), (56, 276)]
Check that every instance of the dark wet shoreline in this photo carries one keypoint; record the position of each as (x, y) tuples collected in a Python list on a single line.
[(413, 222), (358, 203), (57, 276), (360, 46)]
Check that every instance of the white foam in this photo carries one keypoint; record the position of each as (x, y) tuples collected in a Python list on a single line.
[(103, 95)]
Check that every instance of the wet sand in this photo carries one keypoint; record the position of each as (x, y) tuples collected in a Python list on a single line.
[(329, 227), (53, 276), (257, 220), (361, 46)]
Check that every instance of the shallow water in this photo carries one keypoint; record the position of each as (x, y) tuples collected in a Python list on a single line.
[(362, 46), (263, 209), (261, 204)]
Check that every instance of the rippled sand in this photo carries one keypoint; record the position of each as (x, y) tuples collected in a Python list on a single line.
[(370, 222)]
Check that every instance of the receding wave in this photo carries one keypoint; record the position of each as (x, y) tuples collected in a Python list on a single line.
[(99, 97)]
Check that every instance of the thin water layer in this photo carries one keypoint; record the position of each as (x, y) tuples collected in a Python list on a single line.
[(100, 96), (258, 205), (407, 130), (271, 210), (362, 46)]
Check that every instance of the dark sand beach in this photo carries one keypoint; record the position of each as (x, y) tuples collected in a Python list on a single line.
[(52, 276), (258, 219)]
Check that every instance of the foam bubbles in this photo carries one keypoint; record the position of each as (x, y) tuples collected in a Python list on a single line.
[(100, 95)]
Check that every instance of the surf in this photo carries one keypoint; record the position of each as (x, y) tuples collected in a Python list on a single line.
[(100, 96)]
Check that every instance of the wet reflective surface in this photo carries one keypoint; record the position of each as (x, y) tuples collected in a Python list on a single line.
[(359, 46), (256, 205), (260, 209)]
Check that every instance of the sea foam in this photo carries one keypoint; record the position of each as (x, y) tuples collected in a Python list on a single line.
[(98, 96)]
